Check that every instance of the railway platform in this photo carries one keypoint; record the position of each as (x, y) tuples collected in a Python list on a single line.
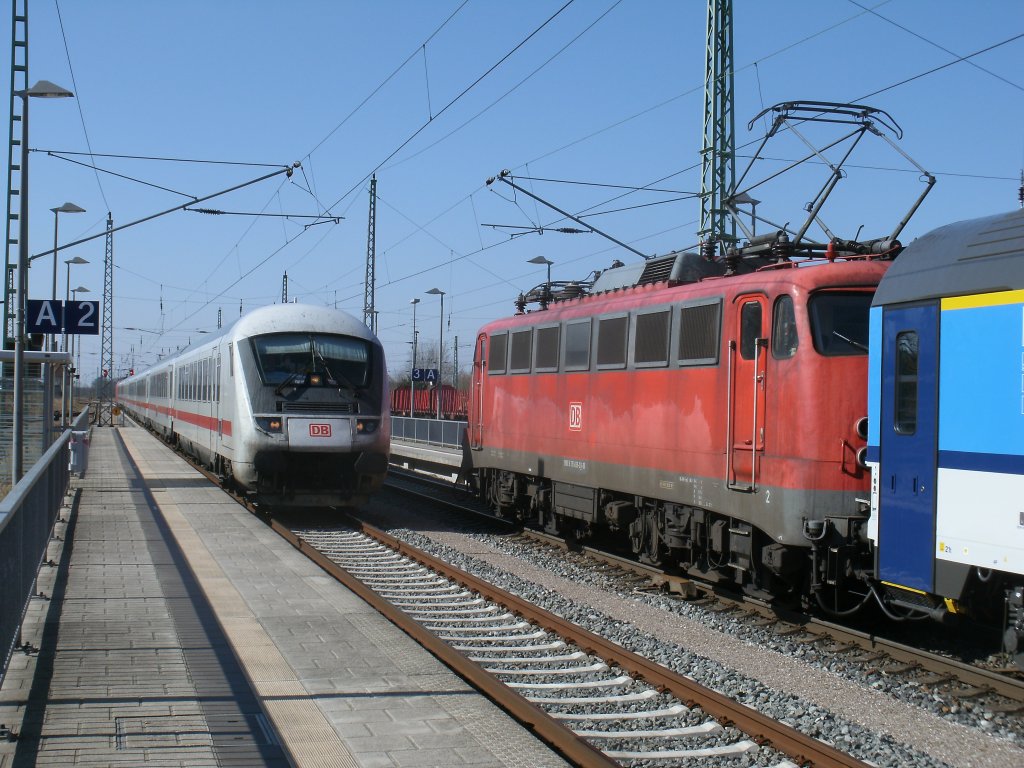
[(173, 628)]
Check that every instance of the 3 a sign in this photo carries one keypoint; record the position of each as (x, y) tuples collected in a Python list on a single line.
[(428, 375), (76, 317)]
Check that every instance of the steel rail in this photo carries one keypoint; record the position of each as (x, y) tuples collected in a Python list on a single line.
[(803, 749), (994, 682), (557, 736)]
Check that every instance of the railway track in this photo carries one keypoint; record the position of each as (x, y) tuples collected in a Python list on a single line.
[(592, 700), (992, 688)]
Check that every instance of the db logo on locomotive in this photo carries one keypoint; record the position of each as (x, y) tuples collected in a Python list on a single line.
[(575, 416), (319, 430)]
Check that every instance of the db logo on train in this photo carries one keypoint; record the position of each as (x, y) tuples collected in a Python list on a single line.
[(575, 417), (319, 430)]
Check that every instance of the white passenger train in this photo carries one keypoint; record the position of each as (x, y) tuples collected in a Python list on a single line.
[(289, 405)]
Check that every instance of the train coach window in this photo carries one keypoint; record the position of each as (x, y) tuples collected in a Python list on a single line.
[(522, 343), (650, 347), (499, 349), (700, 328), (839, 322), (577, 345), (906, 383), (784, 337), (611, 342), (750, 329), (545, 354)]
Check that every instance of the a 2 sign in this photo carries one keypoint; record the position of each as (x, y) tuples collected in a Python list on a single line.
[(74, 317)]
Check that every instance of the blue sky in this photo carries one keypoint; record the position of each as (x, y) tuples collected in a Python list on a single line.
[(437, 96)]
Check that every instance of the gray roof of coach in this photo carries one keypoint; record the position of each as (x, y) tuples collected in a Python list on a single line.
[(961, 259)]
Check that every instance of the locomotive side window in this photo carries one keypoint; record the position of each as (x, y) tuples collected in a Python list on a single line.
[(577, 346), (784, 337), (650, 347), (545, 356), (699, 331), (750, 329), (611, 342), (839, 322), (499, 345), (519, 360), (906, 383)]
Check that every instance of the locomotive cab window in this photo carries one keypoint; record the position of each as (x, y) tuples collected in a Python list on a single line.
[(650, 346), (784, 336), (499, 345), (906, 383), (519, 359), (750, 329), (700, 331), (545, 353), (312, 359), (611, 342), (577, 345), (839, 322)]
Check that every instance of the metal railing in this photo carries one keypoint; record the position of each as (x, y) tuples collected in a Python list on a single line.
[(428, 431), (27, 516)]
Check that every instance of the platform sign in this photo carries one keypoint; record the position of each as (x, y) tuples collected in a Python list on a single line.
[(83, 318), (44, 316), (428, 375), (77, 317)]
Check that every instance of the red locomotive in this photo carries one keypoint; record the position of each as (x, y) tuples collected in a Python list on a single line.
[(705, 415)]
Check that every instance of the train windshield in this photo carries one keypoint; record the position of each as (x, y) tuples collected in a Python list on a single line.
[(312, 359), (839, 322)]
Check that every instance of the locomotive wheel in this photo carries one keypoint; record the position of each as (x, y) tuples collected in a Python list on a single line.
[(645, 539)]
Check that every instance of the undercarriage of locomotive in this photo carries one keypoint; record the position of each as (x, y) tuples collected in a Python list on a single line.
[(830, 571)]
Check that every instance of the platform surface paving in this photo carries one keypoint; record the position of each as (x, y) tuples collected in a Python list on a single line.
[(177, 630)]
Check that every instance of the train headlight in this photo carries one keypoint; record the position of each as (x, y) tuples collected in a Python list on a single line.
[(271, 424), (367, 426)]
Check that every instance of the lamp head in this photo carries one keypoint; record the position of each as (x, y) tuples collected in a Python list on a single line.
[(68, 208), (414, 301), (44, 89), (435, 292), (539, 260), (76, 260)]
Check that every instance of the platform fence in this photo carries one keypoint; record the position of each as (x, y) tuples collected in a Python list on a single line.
[(27, 516), (440, 432)]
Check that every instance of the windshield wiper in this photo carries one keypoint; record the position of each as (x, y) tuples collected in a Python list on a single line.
[(851, 342), (279, 389), (337, 377)]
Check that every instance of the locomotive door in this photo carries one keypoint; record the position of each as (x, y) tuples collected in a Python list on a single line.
[(907, 446), (476, 408), (747, 404)]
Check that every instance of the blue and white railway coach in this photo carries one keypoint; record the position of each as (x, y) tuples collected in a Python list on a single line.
[(946, 434), (289, 405)]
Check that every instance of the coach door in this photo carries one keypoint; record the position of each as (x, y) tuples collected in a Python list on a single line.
[(476, 410), (747, 373), (907, 449)]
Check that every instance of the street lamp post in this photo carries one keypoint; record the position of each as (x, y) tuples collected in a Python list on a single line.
[(43, 89), (440, 348), (78, 365), (51, 338), (412, 381), (67, 378), (66, 208), (547, 285)]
